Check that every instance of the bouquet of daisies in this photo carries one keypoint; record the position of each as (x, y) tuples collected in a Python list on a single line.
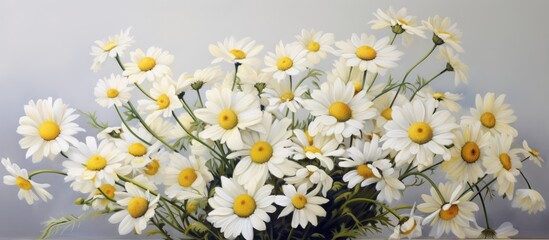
[(280, 149)]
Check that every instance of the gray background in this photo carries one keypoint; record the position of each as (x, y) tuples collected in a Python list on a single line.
[(45, 45)]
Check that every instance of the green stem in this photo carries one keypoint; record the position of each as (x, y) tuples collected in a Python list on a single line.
[(105, 195), (350, 71), (523, 176), (236, 65), (409, 71), (119, 62), (45, 171), (393, 39), (143, 91), (485, 186), (127, 179), (291, 82), (199, 98), (188, 109), (374, 202), (63, 154), (194, 137), (427, 83), (171, 215), (165, 220), (128, 127), (428, 179), (364, 80), (290, 234), (149, 129), (483, 207)]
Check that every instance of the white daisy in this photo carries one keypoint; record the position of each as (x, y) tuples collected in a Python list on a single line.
[(208, 75), (383, 106), (454, 64), (455, 215), (409, 226), (504, 163), (250, 76), (281, 97), (529, 200), (164, 99), (504, 231), (111, 133), (227, 113), (305, 206), (469, 151), (493, 114), (47, 128), (99, 201), (317, 45), (137, 151), (186, 178), (28, 189), (444, 32), (318, 147), (311, 175), (90, 165), (112, 47), (368, 54), (347, 74), (371, 167), (288, 60), (338, 111), (238, 211), (444, 100), (418, 133), (533, 154), (399, 22), (112, 91), (265, 153), (151, 65), (235, 51), (155, 170), (139, 208)]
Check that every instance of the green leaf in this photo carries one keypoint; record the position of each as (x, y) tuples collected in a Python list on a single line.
[(93, 122)]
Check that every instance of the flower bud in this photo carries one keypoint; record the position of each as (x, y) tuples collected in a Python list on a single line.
[(197, 85), (437, 40)]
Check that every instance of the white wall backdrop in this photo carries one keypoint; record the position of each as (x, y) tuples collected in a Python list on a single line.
[(45, 45)]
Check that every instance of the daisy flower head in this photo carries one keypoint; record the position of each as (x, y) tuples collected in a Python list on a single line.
[(368, 54), (235, 51), (504, 163), (493, 114), (151, 65), (444, 32), (111, 47), (281, 96), (47, 128), (138, 208), (454, 64), (318, 147), (383, 106), (305, 206), (29, 190), (312, 175), (137, 151), (317, 44), (238, 210), (208, 75), (228, 114), (347, 74), (112, 91), (90, 165), (249, 75), (338, 110), (418, 132), (453, 215), (504, 231), (155, 170), (529, 200), (471, 147), (265, 153), (399, 22), (186, 177), (287, 60), (164, 99), (99, 201), (444, 100), (531, 153), (409, 226)]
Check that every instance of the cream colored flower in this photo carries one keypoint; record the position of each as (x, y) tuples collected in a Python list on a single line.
[(112, 91), (200, 78), (529, 200), (311, 175), (454, 64), (493, 114), (151, 65), (399, 22), (305, 206), (186, 177), (444, 32), (139, 208), (317, 44), (504, 164), (409, 226), (282, 97), (164, 99), (28, 189), (235, 51), (111, 47), (318, 147), (444, 100), (533, 154), (288, 60)]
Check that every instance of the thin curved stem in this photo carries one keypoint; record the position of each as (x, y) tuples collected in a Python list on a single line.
[(143, 91), (427, 83), (188, 109), (523, 176), (128, 127), (483, 207), (485, 186), (199, 98), (194, 137), (120, 63), (429, 180), (236, 65), (32, 174), (374, 202), (149, 129)]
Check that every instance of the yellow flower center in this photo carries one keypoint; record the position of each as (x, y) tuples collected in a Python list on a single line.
[(227, 119), (387, 114), (244, 205), (261, 152), (284, 63), (313, 46), (152, 168), (488, 120), (146, 64), (312, 149), (137, 207), (409, 230), (23, 183), (288, 96), (534, 152), (358, 87), (364, 171), (107, 189), (341, 111), (299, 201), (96, 163), (163, 101), (186, 177), (137, 149), (366, 53), (238, 54), (420, 133), (470, 152), (505, 161), (309, 138), (449, 214), (49, 130), (191, 206), (109, 46), (112, 93), (438, 96)]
